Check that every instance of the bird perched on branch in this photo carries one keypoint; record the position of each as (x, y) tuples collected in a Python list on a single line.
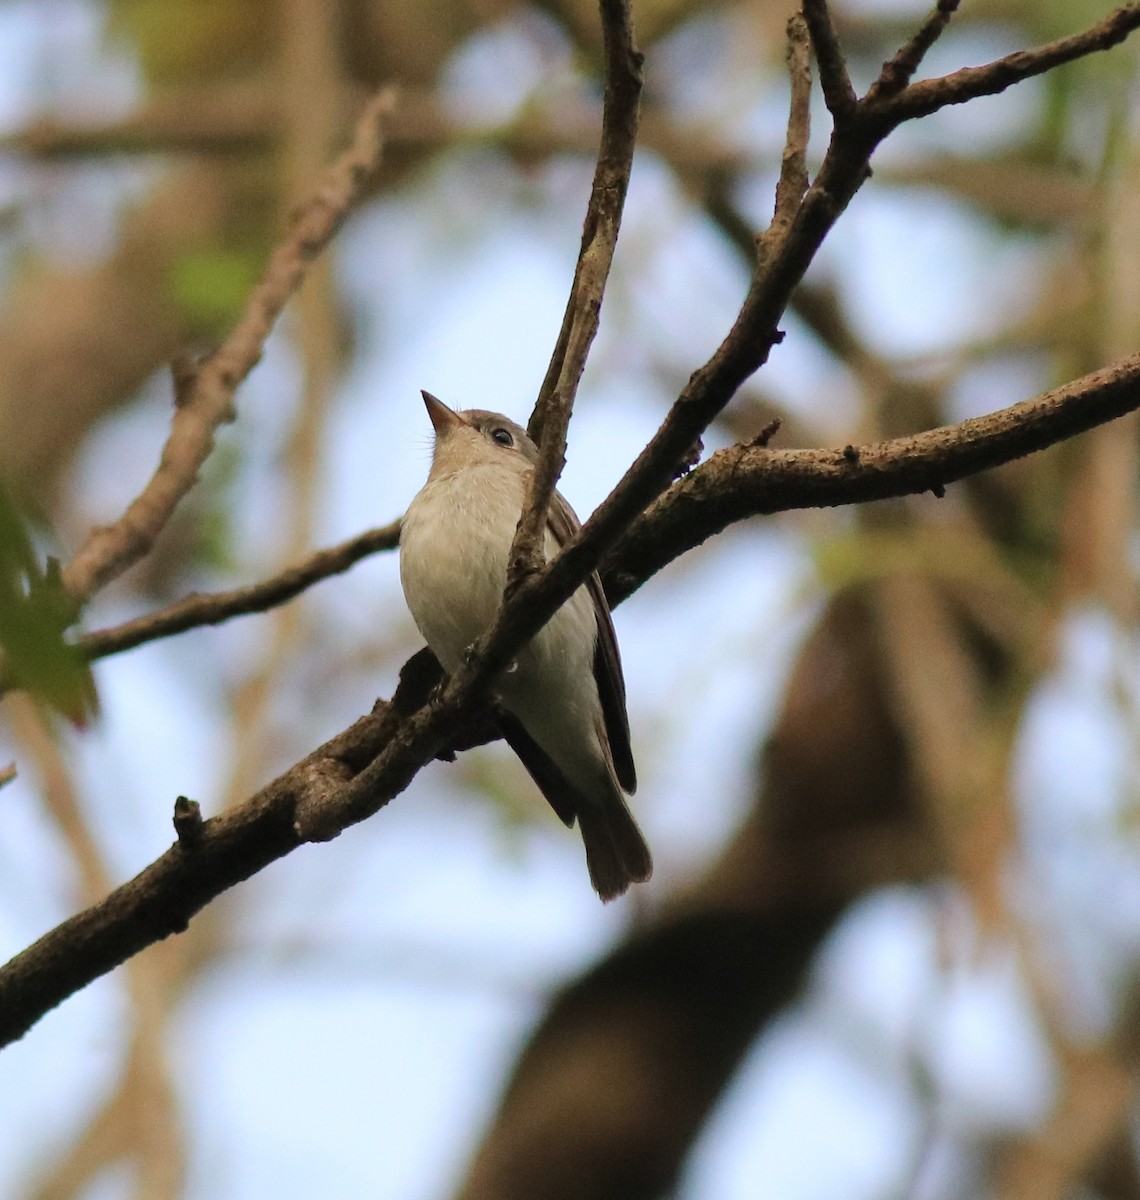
[(560, 704)]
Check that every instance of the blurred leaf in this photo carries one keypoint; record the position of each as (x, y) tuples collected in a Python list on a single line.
[(1017, 190), (216, 504), (34, 613), (178, 41), (210, 286), (863, 555)]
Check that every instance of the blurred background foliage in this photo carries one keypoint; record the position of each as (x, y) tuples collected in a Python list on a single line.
[(889, 755)]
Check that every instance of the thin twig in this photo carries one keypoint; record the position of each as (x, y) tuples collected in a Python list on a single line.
[(209, 403), (793, 181), (212, 608), (551, 416), (838, 92), (898, 71), (929, 95), (7, 774)]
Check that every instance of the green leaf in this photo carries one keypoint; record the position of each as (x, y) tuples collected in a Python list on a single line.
[(35, 612), (210, 286)]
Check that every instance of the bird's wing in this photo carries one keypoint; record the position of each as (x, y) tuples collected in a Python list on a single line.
[(563, 524), (540, 766)]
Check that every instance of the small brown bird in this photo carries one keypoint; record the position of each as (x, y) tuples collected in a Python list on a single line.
[(561, 702)]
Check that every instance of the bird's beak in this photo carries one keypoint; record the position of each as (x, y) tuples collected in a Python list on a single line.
[(442, 418)]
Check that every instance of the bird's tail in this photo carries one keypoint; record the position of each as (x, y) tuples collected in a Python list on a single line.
[(616, 853)]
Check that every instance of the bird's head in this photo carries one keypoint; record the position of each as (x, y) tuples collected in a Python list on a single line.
[(475, 437)]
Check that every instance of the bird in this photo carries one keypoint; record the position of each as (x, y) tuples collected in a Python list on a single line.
[(560, 703)]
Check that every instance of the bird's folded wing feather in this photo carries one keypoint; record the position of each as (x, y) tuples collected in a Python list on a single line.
[(540, 766), (563, 525)]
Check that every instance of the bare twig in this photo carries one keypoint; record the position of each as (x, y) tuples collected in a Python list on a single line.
[(551, 416), (7, 774), (112, 549), (793, 181), (212, 608), (929, 95), (838, 93), (897, 73)]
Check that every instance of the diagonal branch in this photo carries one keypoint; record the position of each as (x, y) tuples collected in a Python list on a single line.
[(838, 92), (845, 168), (205, 401), (746, 481), (735, 484), (212, 608)]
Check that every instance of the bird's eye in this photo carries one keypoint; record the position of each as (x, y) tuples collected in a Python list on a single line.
[(502, 436)]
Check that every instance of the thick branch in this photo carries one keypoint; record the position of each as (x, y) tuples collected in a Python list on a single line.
[(745, 481)]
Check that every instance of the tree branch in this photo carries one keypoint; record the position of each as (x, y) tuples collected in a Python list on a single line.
[(838, 92), (745, 481), (737, 483), (213, 608), (551, 416), (899, 71), (793, 181), (205, 400), (929, 95), (845, 168)]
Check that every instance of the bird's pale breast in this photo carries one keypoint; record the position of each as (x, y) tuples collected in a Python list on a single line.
[(454, 547)]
